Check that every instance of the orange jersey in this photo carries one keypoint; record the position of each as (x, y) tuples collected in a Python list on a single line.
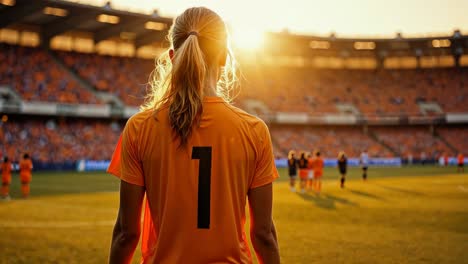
[(310, 163), (461, 159), (196, 195), (25, 167), (318, 166), (6, 172)]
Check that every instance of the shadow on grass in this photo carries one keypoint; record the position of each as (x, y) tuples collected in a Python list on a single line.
[(395, 189), (326, 201), (366, 195)]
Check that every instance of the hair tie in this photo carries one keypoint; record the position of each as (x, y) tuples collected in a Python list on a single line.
[(193, 33)]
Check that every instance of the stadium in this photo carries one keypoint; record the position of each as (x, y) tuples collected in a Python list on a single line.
[(72, 74)]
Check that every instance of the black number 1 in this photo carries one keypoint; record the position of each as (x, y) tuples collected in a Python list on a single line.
[(204, 185)]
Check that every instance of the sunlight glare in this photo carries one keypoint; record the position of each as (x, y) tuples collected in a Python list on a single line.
[(247, 38)]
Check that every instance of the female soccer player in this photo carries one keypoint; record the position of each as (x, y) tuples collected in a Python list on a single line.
[(292, 169), (460, 162), (318, 172), (6, 178), (196, 157), (364, 161), (342, 167), (310, 169), (303, 171), (25, 174)]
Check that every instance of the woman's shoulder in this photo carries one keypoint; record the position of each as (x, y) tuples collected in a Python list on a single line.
[(141, 117), (249, 119)]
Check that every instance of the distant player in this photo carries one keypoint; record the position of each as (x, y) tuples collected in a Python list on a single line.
[(460, 162), (342, 167), (292, 169), (25, 174), (364, 160), (303, 171), (318, 172), (423, 158), (310, 168), (6, 178)]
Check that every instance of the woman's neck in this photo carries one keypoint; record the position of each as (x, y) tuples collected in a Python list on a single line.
[(210, 86)]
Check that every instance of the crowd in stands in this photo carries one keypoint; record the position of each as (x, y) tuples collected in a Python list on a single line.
[(457, 137), (59, 141), (289, 89), (125, 77), (36, 77), (412, 141), (372, 92), (328, 140), (71, 140)]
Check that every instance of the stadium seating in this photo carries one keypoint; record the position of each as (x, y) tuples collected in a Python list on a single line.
[(33, 74), (124, 77), (60, 141), (373, 92), (329, 140), (412, 141), (287, 89), (456, 136)]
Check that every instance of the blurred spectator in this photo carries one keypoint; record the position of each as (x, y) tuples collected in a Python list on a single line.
[(407, 140), (59, 141), (329, 140), (125, 77), (33, 74)]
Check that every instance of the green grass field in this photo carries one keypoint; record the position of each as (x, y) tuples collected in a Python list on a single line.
[(401, 215)]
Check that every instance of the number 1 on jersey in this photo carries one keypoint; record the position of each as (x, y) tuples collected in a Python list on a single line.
[(204, 185)]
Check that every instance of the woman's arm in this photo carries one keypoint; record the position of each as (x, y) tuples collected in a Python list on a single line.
[(262, 228), (127, 227)]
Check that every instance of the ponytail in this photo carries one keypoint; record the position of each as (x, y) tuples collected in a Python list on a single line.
[(187, 80), (199, 40)]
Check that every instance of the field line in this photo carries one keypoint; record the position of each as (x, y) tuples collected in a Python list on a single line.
[(462, 188)]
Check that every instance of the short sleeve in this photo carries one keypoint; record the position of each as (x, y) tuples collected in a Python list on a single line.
[(114, 165), (265, 169), (131, 168)]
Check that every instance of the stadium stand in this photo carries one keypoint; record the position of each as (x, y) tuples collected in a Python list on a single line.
[(32, 73), (329, 140), (456, 136), (56, 141), (372, 92), (123, 76), (317, 94), (412, 140)]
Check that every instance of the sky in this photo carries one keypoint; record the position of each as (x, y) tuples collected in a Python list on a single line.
[(345, 18)]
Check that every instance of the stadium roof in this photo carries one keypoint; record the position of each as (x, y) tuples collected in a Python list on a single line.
[(54, 17), (302, 45)]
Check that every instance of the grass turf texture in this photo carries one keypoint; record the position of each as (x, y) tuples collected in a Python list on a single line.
[(401, 215)]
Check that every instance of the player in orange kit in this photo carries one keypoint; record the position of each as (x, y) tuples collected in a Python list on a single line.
[(460, 162), (318, 172), (303, 171), (25, 174), (6, 178), (292, 169), (310, 168), (195, 210)]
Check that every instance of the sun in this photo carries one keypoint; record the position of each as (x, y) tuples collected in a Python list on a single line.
[(247, 38)]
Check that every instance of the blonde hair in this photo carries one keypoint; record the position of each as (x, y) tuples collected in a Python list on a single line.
[(199, 40), (341, 154), (291, 153)]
